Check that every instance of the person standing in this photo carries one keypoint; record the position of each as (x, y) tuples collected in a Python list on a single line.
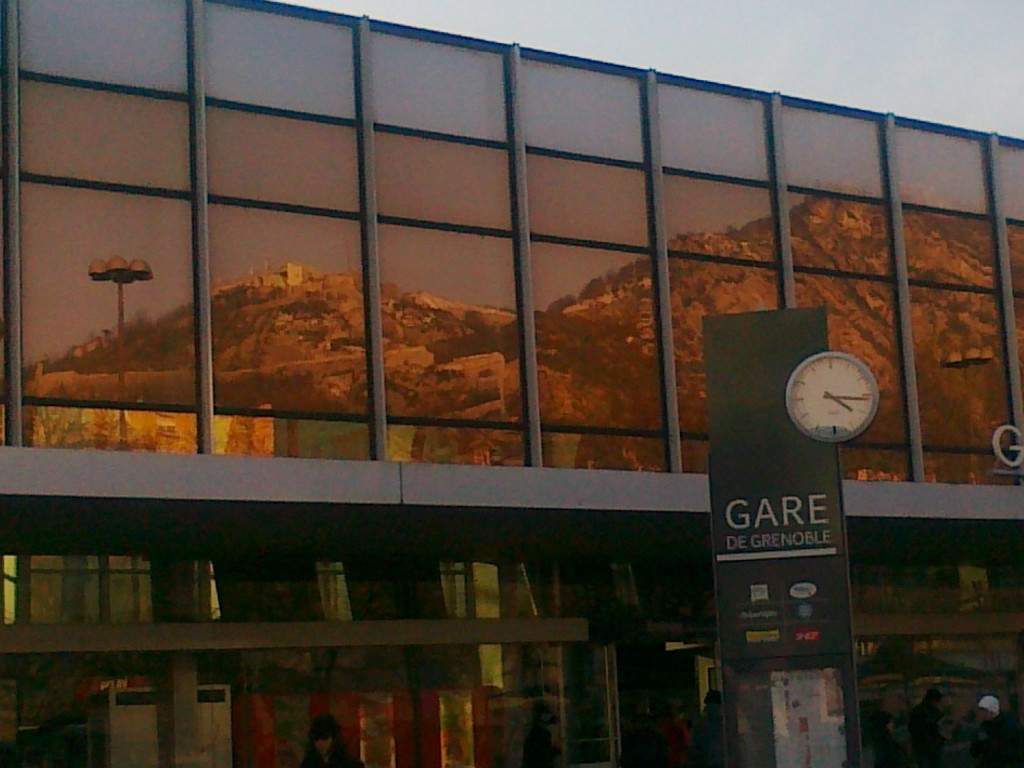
[(926, 740), (999, 743), (888, 752), (707, 746), (324, 746), (539, 749)]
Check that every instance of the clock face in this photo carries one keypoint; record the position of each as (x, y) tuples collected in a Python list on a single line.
[(832, 397)]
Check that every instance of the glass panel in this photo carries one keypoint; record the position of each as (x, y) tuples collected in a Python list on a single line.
[(695, 456), (587, 201), (596, 341), (65, 590), (276, 61), (127, 337), (434, 87), (831, 152), (440, 181), (839, 234), (708, 132), (944, 171), (298, 438), (974, 469), (85, 134), (580, 111), (450, 332), (862, 321), (873, 464), (288, 325), (450, 445), (603, 452), (107, 429), (461, 705), (700, 288), (1015, 234), (130, 42), (716, 219), (949, 249), (960, 381), (1011, 177), (279, 160)]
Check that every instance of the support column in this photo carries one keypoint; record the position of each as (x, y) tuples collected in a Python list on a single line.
[(13, 428), (528, 379), (200, 226), (906, 331), (662, 286), (780, 195), (371, 255), (177, 712)]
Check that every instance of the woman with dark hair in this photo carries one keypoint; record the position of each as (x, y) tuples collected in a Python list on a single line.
[(324, 748)]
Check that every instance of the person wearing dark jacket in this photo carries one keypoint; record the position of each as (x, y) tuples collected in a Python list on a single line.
[(888, 752), (925, 737), (324, 747), (999, 743), (707, 746), (539, 750)]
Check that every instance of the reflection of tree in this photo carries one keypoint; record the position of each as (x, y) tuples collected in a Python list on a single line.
[(158, 358)]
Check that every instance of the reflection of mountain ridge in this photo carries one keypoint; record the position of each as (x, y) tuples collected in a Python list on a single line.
[(293, 337)]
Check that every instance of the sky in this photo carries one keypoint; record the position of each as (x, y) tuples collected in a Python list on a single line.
[(958, 62)]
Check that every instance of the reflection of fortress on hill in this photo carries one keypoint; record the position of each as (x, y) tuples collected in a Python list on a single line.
[(293, 337)]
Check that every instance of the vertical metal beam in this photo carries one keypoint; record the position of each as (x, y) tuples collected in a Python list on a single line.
[(1011, 360), (780, 195), (662, 288), (906, 331), (200, 225), (177, 712), (12, 227), (528, 378), (371, 246)]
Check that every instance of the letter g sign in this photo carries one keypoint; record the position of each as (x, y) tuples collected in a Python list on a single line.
[(1006, 444)]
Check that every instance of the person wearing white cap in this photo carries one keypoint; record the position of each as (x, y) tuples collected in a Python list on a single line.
[(999, 743)]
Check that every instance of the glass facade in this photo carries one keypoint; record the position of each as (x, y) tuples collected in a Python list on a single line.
[(260, 231), (336, 153)]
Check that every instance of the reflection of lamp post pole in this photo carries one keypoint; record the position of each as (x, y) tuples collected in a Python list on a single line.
[(120, 272)]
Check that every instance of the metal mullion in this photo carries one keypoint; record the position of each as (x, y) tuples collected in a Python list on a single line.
[(200, 226), (528, 377), (1002, 243), (662, 288), (12, 228), (780, 195), (906, 331), (371, 244)]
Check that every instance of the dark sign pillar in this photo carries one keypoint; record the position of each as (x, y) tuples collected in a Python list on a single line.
[(779, 547)]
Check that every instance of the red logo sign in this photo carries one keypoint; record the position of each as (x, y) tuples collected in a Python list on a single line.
[(808, 635)]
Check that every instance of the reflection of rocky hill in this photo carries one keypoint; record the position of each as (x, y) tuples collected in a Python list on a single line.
[(294, 338)]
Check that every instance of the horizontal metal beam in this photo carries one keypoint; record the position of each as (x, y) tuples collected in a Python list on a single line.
[(216, 636), (99, 475)]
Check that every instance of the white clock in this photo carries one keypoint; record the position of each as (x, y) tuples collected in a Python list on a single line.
[(832, 397)]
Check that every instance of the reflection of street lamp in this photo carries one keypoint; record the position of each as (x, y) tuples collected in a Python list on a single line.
[(119, 271)]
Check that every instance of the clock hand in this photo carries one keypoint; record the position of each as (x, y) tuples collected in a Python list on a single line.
[(838, 399)]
